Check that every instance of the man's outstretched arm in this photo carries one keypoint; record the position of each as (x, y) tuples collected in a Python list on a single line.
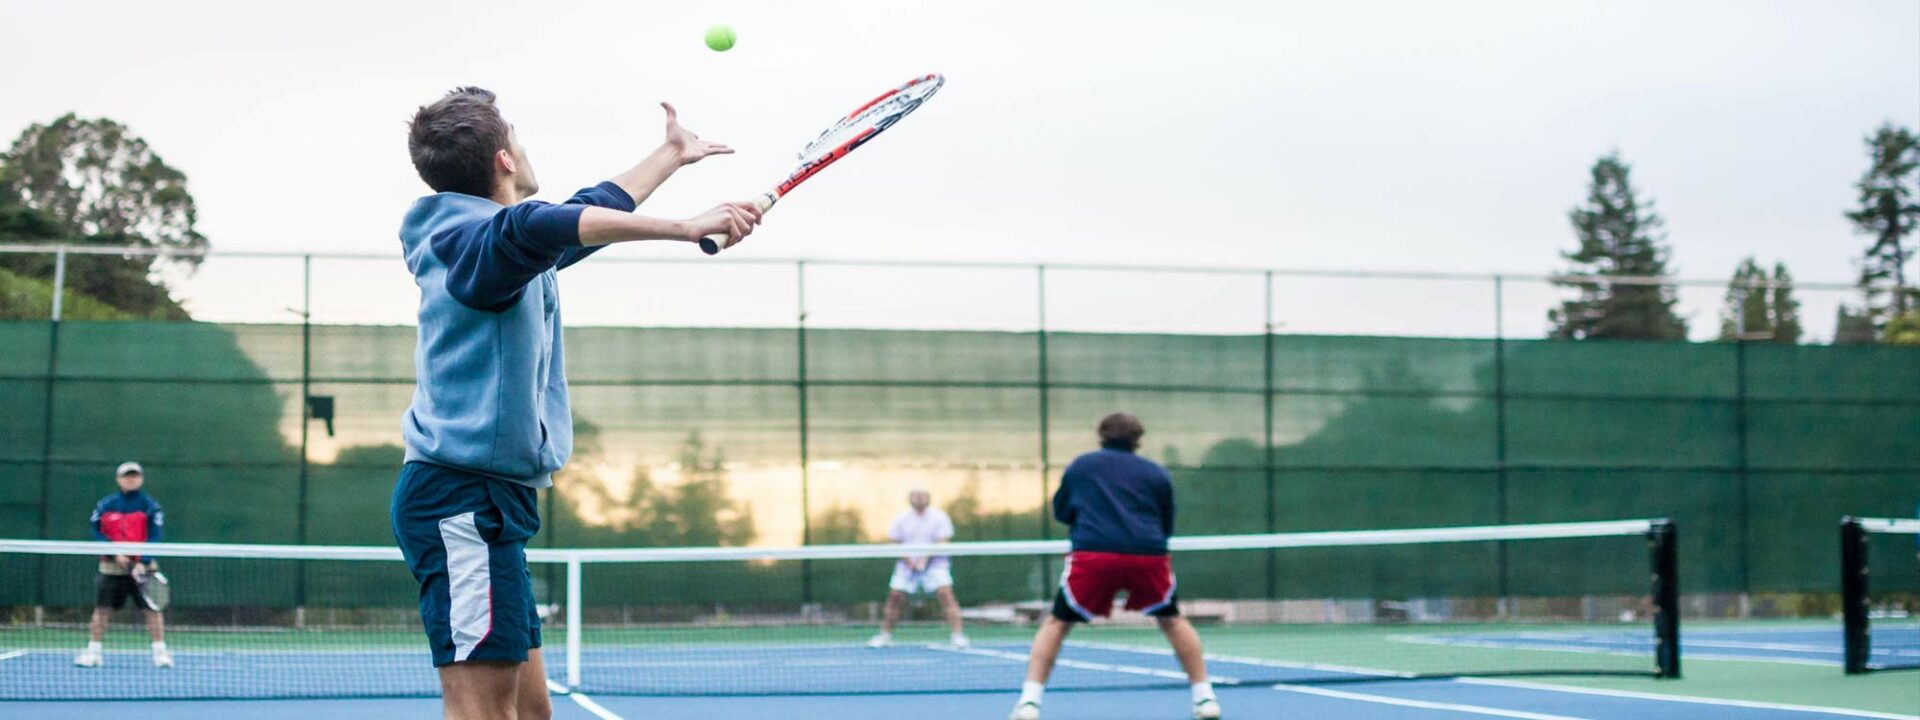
[(680, 148)]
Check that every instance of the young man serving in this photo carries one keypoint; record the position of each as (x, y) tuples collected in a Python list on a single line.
[(490, 420)]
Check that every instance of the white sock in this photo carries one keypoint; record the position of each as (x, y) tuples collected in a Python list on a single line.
[(93, 646), (159, 646), (1031, 692), (1202, 690)]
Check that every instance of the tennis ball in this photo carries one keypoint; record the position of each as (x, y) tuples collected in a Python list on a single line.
[(720, 38)]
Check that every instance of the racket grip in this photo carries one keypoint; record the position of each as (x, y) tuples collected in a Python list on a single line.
[(713, 244)]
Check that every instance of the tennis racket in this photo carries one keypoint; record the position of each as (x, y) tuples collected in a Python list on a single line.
[(154, 592), (852, 131)]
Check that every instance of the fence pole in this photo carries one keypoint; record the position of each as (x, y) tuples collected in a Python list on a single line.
[(1742, 475), (1266, 441), (1046, 421), (1501, 516), (46, 425), (306, 395), (806, 508)]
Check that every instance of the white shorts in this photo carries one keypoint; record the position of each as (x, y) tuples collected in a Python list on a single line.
[(933, 578)]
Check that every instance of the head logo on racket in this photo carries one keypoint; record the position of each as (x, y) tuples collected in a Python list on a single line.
[(863, 124)]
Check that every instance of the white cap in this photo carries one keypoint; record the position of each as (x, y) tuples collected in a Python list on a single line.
[(128, 468)]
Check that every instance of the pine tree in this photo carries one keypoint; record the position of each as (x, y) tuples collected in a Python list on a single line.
[(1786, 308), (1620, 236), (1759, 307), (1745, 315), (1889, 214)]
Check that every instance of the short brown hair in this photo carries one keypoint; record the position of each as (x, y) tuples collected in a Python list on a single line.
[(453, 141), (1121, 430)]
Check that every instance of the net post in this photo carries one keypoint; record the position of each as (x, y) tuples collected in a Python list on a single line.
[(574, 631), (1853, 595), (1665, 557)]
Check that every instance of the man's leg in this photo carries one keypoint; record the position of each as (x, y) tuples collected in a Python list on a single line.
[(1186, 646), (1046, 649), (1193, 659), (97, 628), (890, 616), (480, 690), (951, 607), (533, 702), (95, 653), (157, 630), (1040, 659)]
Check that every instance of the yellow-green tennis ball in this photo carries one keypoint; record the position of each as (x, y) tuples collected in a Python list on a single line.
[(720, 38)]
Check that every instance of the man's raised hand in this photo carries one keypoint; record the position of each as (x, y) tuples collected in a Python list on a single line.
[(687, 146)]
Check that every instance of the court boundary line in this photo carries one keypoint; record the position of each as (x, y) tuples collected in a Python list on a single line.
[(586, 703), (1725, 702), (1524, 684), (1421, 704), (1082, 664), (1495, 645), (5, 656), (1257, 662)]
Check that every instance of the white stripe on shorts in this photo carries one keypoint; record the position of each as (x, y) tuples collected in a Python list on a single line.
[(469, 583)]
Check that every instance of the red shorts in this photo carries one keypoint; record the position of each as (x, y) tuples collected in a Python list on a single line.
[(1092, 579)]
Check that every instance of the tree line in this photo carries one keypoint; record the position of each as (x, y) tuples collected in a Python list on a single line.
[(1620, 236), (94, 182)]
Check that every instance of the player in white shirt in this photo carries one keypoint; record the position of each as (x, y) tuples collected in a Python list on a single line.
[(923, 524)]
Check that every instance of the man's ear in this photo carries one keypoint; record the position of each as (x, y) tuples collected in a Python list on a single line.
[(503, 160)]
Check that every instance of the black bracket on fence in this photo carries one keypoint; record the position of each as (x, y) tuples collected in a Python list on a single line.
[(1853, 595), (1663, 553)]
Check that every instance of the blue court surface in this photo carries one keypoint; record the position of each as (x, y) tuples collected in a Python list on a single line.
[(1396, 700), (997, 667), (1894, 645)]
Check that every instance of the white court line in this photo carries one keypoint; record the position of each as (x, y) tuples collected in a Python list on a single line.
[(583, 701), (1257, 662), (1083, 665), (1422, 704), (1685, 699), (1543, 686), (11, 655)]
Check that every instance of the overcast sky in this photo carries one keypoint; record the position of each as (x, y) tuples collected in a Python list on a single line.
[(1386, 135)]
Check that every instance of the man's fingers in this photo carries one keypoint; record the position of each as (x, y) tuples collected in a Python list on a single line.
[(672, 116), (747, 206), (718, 149)]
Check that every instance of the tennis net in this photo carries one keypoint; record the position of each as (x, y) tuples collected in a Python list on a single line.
[(260, 621), (1880, 593)]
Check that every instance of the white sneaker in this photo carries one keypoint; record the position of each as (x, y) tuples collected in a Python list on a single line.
[(960, 640), (1208, 709), (162, 659), (881, 640), (87, 659), (1028, 711)]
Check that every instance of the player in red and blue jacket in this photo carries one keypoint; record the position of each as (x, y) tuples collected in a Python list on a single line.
[(130, 515)]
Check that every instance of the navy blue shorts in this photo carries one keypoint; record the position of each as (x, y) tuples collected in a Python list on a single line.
[(465, 539)]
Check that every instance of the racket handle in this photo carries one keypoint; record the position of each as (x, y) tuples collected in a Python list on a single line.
[(713, 244)]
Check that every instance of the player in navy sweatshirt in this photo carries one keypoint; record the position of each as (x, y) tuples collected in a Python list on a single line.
[(1120, 506), (130, 515), (490, 420)]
